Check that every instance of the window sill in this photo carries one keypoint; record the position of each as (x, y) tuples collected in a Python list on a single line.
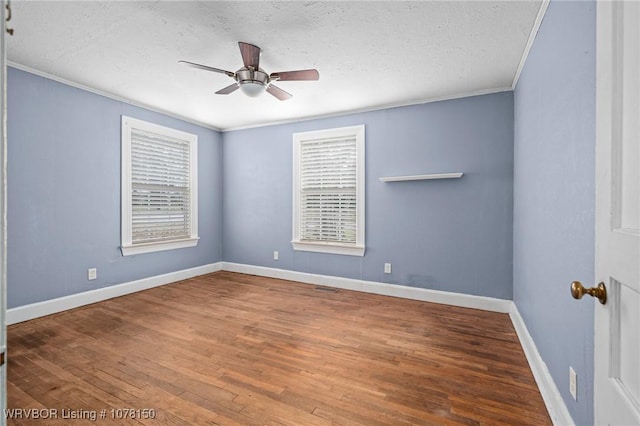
[(344, 249), (131, 249)]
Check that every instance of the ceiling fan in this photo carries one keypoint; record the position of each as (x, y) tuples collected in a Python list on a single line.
[(253, 80)]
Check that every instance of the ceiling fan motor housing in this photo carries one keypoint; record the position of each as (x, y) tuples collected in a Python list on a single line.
[(252, 82)]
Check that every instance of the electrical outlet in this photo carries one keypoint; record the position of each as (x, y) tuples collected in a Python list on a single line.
[(92, 273), (387, 268), (573, 384), (276, 255)]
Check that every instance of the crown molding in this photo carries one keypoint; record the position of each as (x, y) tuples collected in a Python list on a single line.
[(532, 37), (108, 95)]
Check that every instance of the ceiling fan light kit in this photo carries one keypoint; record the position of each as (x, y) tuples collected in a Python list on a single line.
[(253, 80), (252, 89), (252, 83)]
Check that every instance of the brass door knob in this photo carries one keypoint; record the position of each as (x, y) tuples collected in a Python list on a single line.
[(578, 290)]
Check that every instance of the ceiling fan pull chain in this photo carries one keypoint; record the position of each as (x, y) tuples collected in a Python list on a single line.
[(8, 6)]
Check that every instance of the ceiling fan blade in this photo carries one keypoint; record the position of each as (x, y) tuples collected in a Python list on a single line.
[(295, 75), (278, 92), (207, 68), (250, 55), (231, 88)]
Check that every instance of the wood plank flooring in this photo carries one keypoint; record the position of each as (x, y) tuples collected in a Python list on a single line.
[(231, 349)]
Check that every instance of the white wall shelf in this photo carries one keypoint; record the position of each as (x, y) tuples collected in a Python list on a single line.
[(421, 177)]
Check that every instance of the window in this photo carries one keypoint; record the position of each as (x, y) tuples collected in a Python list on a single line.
[(159, 188), (328, 191)]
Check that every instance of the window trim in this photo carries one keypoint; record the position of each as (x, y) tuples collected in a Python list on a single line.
[(358, 248), (127, 247)]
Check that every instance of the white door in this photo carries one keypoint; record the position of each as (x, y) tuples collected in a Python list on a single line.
[(3, 121), (617, 323)]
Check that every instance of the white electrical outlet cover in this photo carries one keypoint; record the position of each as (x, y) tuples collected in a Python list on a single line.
[(92, 273)]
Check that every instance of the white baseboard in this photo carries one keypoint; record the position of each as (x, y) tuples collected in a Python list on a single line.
[(48, 307), (395, 290), (550, 394)]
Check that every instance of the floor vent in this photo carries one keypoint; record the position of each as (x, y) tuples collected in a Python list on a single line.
[(328, 289)]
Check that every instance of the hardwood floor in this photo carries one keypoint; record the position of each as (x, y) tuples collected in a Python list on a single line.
[(229, 348)]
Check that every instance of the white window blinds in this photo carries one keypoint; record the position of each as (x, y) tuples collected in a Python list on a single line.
[(159, 188), (329, 191), (160, 196)]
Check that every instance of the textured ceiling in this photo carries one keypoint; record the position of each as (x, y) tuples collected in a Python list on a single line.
[(369, 54)]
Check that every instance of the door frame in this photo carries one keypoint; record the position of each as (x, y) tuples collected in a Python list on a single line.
[(3, 213)]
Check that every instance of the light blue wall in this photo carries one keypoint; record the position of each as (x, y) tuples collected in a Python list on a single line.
[(453, 235), (64, 192), (554, 188)]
